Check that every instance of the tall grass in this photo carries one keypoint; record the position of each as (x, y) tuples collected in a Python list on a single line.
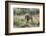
[(23, 22)]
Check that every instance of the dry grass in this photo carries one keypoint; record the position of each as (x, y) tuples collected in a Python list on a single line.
[(20, 21)]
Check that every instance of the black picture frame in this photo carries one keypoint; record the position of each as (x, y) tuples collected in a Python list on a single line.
[(6, 18)]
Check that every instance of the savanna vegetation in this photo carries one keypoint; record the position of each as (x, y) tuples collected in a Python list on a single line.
[(21, 21)]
